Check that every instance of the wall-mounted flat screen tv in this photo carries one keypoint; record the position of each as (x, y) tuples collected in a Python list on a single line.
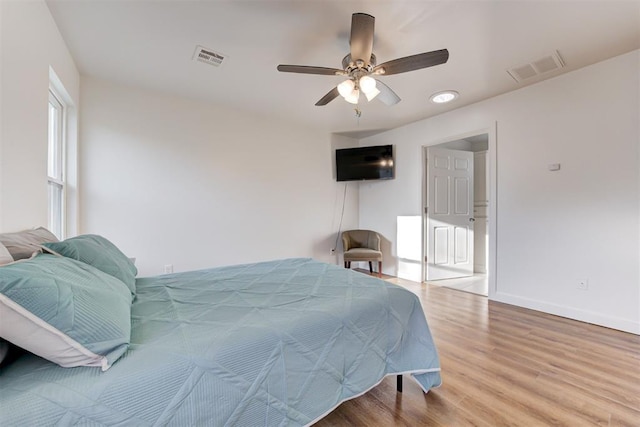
[(365, 163)]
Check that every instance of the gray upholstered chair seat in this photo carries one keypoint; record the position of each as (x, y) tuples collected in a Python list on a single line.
[(362, 254), (362, 245)]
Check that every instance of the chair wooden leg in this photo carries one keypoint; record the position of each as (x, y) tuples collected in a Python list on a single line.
[(399, 383), (370, 267), (345, 264), (379, 268)]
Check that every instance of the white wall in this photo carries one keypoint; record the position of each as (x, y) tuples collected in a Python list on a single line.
[(553, 228), (349, 194), (177, 181), (29, 44)]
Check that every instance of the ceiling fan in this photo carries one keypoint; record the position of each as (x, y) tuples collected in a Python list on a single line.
[(360, 65)]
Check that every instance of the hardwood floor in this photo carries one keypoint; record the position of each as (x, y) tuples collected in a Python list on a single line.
[(508, 366)]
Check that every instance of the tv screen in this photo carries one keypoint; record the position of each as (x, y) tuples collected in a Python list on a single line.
[(365, 163)]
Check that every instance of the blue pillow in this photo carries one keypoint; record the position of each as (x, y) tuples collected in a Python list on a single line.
[(99, 252), (65, 311)]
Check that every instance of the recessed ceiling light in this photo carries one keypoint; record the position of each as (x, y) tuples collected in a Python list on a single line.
[(444, 96)]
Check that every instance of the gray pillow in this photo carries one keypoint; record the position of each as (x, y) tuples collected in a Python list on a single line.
[(5, 256), (22, 244), (65, 311), (100, 253)]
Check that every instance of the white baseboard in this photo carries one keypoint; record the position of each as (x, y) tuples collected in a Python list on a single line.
[(480, 268), (620, 324)]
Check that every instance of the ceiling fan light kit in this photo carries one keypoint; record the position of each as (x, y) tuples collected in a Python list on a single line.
[(351, 88), (360, 65), (367, 84), (346, 87), (353, 97)]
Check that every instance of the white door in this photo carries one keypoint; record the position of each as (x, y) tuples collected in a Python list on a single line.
[(449, 214)]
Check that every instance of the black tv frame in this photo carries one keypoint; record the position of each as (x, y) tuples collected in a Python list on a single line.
[(369, 163)]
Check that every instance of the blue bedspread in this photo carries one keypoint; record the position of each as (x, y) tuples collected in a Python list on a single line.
[(278, 343)]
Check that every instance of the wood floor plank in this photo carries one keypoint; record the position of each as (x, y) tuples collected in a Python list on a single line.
[(623, 387), (518, 398), (587, 402), (506, 365)]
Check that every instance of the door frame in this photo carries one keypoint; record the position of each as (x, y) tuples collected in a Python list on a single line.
[(492, 209)]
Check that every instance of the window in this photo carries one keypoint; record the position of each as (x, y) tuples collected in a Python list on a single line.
[(55, 169)]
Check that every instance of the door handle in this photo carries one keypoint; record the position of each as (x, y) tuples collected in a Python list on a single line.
[(472, 219)]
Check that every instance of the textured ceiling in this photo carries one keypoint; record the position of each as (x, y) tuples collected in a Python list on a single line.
[(150, 44)]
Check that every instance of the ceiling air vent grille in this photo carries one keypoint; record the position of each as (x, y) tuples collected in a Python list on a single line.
[(208, 56), (541, 66)]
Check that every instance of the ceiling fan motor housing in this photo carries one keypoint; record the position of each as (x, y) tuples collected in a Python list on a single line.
[(350, 66)]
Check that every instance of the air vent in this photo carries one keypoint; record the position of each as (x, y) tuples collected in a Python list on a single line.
[(541, 66), (208, 56)]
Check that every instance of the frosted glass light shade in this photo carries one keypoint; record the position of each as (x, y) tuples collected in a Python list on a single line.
[(346, 87), (372, 93), (367, 84), (353, 97)]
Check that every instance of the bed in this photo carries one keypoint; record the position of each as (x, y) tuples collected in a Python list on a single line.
[(279, 343)]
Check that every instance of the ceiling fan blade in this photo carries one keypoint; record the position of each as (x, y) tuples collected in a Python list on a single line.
[(333, 94), (413, 62), (361, 41), (386, 95), (304, 69)]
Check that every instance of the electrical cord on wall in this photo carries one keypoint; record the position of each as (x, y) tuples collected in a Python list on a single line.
[(344, 198)]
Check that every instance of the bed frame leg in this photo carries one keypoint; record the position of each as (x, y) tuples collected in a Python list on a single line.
[(399, 383)]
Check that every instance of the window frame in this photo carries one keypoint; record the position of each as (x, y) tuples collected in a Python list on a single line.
[(56, 165)]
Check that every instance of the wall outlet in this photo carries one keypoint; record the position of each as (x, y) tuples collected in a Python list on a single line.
[(168, 268), (583, 284)]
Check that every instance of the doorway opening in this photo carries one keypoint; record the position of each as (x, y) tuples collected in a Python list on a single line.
[(459, 198)]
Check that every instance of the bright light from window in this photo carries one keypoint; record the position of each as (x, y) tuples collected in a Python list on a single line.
[(409, 239)]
